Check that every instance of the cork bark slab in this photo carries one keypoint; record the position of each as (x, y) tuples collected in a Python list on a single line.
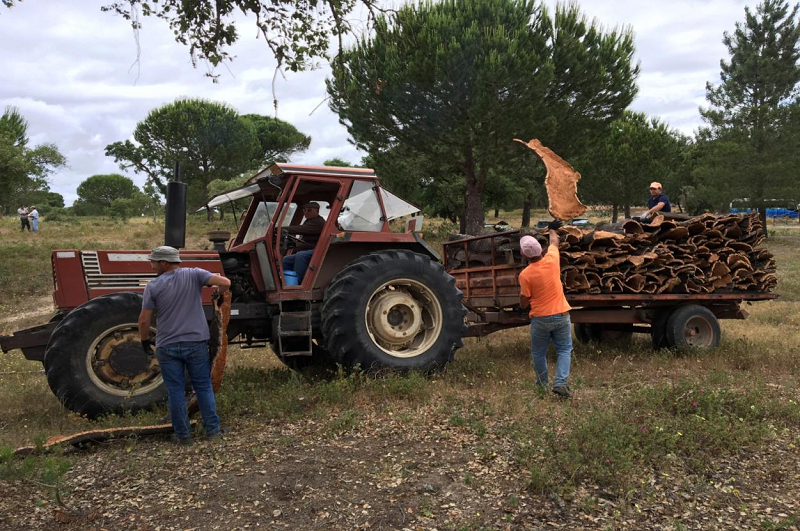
[(561, 183)]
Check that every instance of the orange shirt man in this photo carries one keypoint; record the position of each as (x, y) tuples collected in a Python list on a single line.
[(542, 294)]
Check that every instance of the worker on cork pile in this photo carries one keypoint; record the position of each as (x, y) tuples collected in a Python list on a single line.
[(542, 294), (658, 202)]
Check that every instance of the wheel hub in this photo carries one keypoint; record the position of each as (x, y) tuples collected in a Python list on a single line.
[(128, 359), (396, 317), (404, 318), (117, 364)]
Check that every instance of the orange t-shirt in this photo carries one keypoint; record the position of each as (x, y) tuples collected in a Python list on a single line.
[(541, 283)]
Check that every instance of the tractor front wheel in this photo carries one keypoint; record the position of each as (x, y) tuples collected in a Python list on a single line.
[(95, 363), (393, 309)]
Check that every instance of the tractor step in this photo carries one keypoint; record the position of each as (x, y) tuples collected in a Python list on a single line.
[(294, 328)]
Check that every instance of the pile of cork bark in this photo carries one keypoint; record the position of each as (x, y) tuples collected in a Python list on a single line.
[(700, 255)]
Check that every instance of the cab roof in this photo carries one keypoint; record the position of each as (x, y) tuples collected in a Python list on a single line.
[(283, 168)]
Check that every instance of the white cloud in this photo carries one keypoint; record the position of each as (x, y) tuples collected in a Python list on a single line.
[(73, 73)]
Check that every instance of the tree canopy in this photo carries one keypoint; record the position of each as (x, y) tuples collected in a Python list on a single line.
[(208, 139), (750, 142), (460, 79), (636, 151), (295, 31), (24, 171), (279, 140)]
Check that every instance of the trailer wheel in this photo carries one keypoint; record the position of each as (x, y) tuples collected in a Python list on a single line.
[(587, 332), (393, 309), (693, 327), (95, 363)]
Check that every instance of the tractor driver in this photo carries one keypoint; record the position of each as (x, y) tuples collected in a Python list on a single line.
[(309, 232)]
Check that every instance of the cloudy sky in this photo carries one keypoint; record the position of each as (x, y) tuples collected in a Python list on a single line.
[(71, 71)]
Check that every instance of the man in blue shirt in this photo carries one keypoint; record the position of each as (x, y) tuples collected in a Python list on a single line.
[(181, 337), (658, 202)]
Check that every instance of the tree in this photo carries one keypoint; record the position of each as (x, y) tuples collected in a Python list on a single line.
[(14, 126), (460, 79), (634, 152), (279, 140), (97, 193), (102, 190), (296, 32), (749, 144), (23, 170), (208, 139), (337, 162)]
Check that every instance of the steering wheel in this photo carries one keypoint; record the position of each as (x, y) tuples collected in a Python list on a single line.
[(288, 241)]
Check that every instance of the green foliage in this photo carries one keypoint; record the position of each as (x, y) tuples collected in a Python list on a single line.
[(337, 162), (101, 191), (296, 32), (457, 80), (208, 139), (753, 119), (24, 171), (14, 126), (279, 140), (635, 151)]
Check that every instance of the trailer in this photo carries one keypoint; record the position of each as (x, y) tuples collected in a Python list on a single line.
[(673, 320)]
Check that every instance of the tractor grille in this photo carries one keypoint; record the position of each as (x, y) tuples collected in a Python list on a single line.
[(97, 279)]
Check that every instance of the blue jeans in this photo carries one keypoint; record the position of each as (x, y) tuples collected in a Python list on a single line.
[(191, 357), (35, 225), (298, 262), (558, 329)]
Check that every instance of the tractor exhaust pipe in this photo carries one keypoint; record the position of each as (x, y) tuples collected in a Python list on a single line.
[(175, 222)]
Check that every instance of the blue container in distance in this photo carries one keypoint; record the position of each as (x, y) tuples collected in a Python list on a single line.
[(290, 278)]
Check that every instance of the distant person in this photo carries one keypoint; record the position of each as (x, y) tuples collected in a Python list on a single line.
[(309, 232), (658, 202), (542, 294), (33, 216), (181, 338), (23, 218)]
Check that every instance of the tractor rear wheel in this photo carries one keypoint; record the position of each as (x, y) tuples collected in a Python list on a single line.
[(94, 360), (393, 309)]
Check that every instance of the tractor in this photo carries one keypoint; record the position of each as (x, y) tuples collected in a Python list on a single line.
[(371, 297)]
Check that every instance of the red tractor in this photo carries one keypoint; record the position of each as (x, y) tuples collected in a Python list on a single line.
[(370, 297)]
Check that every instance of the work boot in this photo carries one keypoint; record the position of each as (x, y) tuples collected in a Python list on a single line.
[(562, 391), (218, 435), (181, 441)]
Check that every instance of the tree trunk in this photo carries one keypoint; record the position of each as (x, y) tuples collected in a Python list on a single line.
[(462, 224), (614, 212), (526, 210), (473, 206), (496, 212), (627, 212), (221, 213)]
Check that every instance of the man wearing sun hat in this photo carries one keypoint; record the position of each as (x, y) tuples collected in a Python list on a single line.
[(658, 202), (181, 337), (542, 294)]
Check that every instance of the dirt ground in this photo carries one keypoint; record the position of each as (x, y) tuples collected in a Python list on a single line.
[(404, 470)]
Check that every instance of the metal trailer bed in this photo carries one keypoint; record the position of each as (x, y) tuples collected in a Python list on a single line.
[(491, 296)]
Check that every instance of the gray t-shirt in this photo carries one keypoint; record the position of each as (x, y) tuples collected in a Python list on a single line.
[(176, 296)]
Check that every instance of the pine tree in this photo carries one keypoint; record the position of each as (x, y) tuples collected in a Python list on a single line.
[(747, 144)]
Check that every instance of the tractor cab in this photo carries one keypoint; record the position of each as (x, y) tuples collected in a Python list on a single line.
[(354, 208)]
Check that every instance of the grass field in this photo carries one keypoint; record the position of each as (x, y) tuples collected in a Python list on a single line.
[(642, 423)]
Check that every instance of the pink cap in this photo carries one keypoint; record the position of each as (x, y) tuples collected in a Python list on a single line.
[(530, 247)]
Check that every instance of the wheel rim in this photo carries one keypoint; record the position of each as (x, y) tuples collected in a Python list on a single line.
[(698, 333), (404, 318), (117, 365)]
